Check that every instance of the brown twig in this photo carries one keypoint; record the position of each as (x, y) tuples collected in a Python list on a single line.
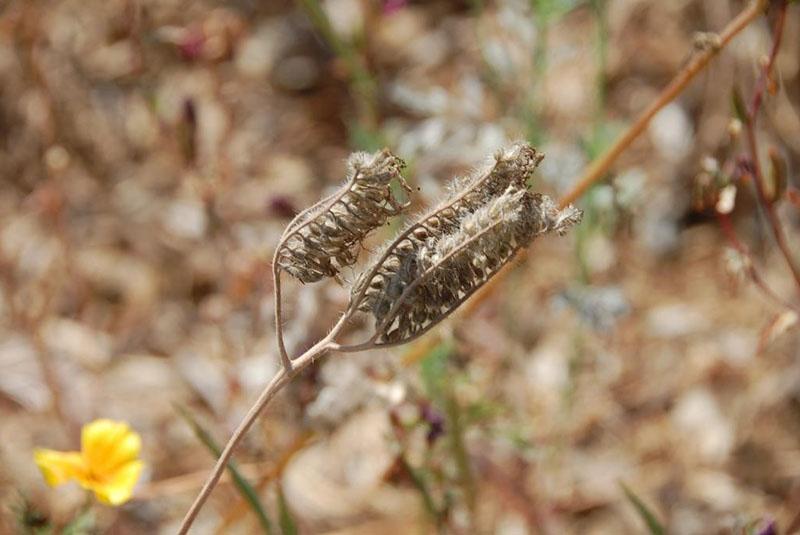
[(601, 165), (699, 61), (750, 127), (286, 362)]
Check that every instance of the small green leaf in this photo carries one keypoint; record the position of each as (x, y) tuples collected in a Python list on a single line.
[(242, 485), (653, 525)]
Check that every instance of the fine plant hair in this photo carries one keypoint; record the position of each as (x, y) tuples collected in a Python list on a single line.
[(422, 276)]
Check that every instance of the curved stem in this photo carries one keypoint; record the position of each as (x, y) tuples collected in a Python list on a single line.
[(281, 378), (276, 282), (758, 176), (278, 381)]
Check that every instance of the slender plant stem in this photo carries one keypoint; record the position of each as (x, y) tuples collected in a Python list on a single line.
[(281, 378), (276, 281), (600, 166), (361, 81), (758, 176), (699, 61), (727, 228)]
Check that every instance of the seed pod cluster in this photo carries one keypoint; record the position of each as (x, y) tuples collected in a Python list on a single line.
[(438, 262), (326, 237)]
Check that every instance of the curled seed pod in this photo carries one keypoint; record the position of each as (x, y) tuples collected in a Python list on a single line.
[(325, 237), (512, 165), (430, 281)]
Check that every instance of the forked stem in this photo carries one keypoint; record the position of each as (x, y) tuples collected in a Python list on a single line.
[(758, 175), (281, 378)]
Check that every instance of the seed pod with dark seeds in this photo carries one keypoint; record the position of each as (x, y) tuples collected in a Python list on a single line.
[(446, 270), (374, 289), (326, 237)]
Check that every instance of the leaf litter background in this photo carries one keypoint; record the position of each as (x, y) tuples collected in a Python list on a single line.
[(153, 151)]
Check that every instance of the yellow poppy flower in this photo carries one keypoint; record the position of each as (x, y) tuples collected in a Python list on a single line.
[(107, 464)]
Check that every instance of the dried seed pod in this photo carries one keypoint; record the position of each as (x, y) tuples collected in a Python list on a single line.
[(510, 166), (432, 281), (325, 237)]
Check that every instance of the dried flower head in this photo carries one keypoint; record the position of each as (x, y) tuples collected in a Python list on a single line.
[(435, 265), (325, 237)]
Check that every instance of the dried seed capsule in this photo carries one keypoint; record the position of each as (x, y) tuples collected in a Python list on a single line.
[(325, 237), (450, 268), (438, 262), (510, 166)]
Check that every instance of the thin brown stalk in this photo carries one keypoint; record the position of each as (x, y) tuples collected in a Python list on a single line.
[(698, 62), (286, 362), (758, 177), (600, 166), (282, 378)]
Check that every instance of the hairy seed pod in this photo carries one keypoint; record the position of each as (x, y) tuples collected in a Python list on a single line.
[(425, 283), (325, 237), (512, 165)]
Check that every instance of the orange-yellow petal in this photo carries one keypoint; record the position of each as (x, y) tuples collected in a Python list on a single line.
[(107, 445), (118, 488), (57, 467)]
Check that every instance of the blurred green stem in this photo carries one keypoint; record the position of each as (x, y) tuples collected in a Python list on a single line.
[(362, 84), (600, 11), (242, 485), (419, 483), (459, 450)]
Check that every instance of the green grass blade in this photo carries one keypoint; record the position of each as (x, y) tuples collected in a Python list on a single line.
[(242, 485), (654, 527), (433, 369), (287, 523), (418, 480)]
